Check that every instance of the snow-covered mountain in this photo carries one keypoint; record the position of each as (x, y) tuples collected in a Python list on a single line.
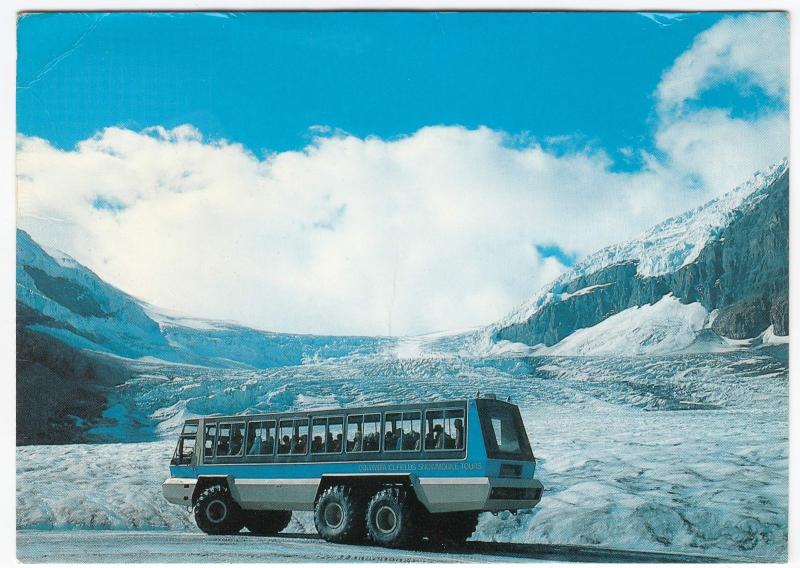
[(69, 302), (722, 266), (77, 337)]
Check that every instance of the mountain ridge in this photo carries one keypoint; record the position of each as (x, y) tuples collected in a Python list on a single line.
[(741, 270)]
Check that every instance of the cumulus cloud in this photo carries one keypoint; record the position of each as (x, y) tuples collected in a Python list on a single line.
[(435, 230), (752, 48), (711, 147), (441, 229)]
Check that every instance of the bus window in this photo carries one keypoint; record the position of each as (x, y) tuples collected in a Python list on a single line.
[(326, 435), (402, 432), (237, 439), (503, 431), (318, 427), (445, 429), (363, 433), (355, 433), (411, 432), (208, 448), (261, 438), (223, 440), (333, 440), (293, 436), (372, 432), (186, 444), (285, 436)]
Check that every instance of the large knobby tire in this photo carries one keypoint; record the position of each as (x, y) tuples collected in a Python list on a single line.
[(450, 528), (264, 523), (390, 518), (215, 511), (339, 515)]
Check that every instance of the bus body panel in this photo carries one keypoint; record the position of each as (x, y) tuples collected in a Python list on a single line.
[(473, 482)]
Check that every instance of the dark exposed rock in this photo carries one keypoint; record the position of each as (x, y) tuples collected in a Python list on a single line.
[(744, 273), (743, 319), (61, 391), (779, 315)]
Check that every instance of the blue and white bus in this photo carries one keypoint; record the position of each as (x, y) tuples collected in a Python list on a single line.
[(394, 474)]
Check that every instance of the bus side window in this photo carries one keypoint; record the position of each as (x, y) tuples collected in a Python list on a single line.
[(410, 432), (299, 444), (237, 439), (223, 440), (435, 436), (355, 433), (372, 432), (285, 436), (455, 427), (261, 438), (333, 439), (208, 447), (186, 450), (318, 427), (445, 429), (363, 433), (392, 431)]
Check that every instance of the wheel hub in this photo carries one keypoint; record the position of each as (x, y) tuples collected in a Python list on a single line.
[(385, 519), (216, 511), (333, 515)]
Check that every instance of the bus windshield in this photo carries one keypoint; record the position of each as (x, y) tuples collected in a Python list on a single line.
[(503, 431)]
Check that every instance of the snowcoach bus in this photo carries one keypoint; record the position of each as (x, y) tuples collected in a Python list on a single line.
[(394, 474)]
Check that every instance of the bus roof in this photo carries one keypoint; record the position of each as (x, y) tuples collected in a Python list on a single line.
[(376, 408)]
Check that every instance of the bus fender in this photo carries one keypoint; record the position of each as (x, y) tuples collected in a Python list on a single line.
[(206, 481)]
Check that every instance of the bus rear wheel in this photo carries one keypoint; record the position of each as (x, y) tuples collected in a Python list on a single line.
[(390, 519), (265, 523), (215, 511), (339, 515)]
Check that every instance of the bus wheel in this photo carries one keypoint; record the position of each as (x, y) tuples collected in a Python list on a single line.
[(389, 518), (266, 523), (215, 512), (338, 515)]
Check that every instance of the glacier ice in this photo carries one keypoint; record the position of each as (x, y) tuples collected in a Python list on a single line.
[(680, 452)]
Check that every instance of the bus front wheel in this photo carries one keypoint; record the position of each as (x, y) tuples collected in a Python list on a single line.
[(215, 511), (339, 515), (265, 523), (389, 518)]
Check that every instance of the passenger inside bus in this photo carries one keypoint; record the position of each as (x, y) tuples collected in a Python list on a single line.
[(256, 446), (357, 441), (371, 442), (236, 443), (459, 425), (411, 441)]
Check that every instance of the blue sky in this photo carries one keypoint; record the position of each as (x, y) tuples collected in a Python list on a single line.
[(379, 173), (263, 79)]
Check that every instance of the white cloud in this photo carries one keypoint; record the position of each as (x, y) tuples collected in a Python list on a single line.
[(753, 48), (710, 146), (436, 230)]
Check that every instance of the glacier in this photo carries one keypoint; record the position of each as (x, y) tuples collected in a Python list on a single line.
[(680, 452), (668, 326)]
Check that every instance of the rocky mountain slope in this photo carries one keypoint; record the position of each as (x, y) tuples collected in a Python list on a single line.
[(77, 336), (730, 256)]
